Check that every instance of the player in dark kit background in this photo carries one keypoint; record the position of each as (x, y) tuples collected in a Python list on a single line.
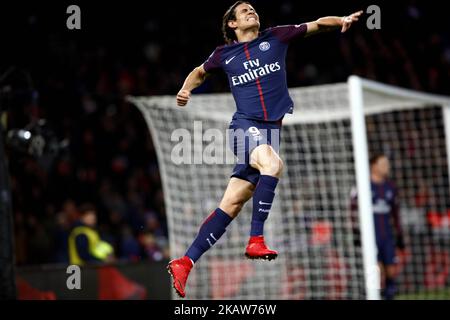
[(388, 232), (254, 62)]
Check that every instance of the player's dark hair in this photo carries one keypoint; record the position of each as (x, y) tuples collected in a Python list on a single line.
[(230, 15), (374, 159)]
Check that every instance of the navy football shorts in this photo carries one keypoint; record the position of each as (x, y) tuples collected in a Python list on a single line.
[(386, 252), (244, 136)]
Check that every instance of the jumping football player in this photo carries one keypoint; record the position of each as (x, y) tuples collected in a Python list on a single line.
[(254, 62)]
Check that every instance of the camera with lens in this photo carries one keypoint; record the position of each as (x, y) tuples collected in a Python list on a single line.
[(36, 139), (32, 137)]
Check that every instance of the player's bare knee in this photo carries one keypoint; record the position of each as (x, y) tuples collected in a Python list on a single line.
[(390, 271), (267, 161), (274, 167), (280, 167)]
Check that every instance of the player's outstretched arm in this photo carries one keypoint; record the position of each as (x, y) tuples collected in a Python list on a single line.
[(193, 80), (332, 23)]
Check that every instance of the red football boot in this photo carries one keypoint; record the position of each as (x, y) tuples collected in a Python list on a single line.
[(257, 249), (179, 270)]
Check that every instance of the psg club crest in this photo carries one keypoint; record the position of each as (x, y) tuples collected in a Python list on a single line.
[(264, 46)]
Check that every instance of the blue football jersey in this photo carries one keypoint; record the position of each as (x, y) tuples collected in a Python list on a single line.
[(256, 72), (385, 209)]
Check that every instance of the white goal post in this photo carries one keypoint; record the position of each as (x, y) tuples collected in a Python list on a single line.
[(324, 251)]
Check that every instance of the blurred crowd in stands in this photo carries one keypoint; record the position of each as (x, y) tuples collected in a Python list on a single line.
[(83, 76)]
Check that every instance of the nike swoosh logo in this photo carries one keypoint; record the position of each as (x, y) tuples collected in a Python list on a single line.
[(229, 60), (268, 203)]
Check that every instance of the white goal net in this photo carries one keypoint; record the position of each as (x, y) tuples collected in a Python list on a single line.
[(324, 253)]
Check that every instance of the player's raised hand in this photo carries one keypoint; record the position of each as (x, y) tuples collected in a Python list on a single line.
[(183, 97), (348, 20)]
